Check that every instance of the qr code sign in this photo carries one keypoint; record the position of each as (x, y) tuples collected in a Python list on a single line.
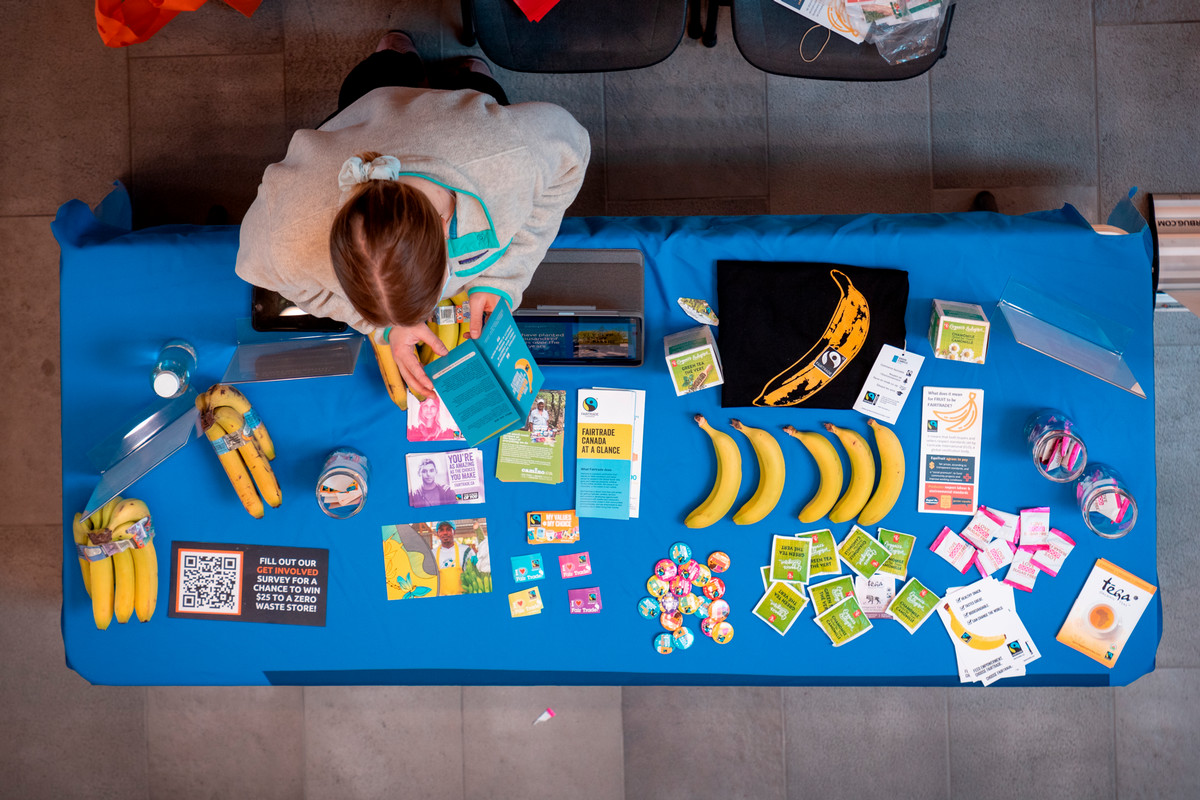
[(210, 582)]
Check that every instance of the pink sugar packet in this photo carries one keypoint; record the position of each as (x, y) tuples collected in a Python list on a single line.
[(1011, 530), (982, 528), (997, 554), (1022, 572), (1035, 526), (955, 549), (1050, 559)]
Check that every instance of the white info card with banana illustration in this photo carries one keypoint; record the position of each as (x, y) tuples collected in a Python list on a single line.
[(951, 434)]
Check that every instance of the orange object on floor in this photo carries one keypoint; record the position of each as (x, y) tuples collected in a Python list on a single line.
[(125, 22)]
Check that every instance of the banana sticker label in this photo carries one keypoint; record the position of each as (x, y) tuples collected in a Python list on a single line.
[(841, 341)]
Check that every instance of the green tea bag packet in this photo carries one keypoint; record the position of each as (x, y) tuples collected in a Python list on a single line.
[(845, 622), (900, 546), (829, 593), (766, 579), (913, 604), (790, 559), (823, 560), (862, 552), (780, 607)]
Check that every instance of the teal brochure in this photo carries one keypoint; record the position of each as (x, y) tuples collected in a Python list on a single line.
[(488, 384)]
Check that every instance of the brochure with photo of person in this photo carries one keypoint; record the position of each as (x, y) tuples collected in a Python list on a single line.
[(437, 558), (534, 454), (441, 479), (430, 421)]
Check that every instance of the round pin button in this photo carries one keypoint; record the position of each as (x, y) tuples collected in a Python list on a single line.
[(649, 608), (707, 625), (719, 610), (664, 644), (666, 569), (689, 603), (714, 589), (668, 603), (723, 633), (680, 586), (718, 561), (681, 552), (683, 638), (703, 607), (657, 586), (703, 576), (671, 620)]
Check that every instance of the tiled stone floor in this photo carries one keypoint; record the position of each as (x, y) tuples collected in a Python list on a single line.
[(1071, 101)]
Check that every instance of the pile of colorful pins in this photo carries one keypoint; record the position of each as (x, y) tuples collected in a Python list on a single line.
[(673, 596)]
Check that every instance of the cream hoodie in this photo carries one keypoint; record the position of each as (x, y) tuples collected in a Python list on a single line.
[(513, 169)]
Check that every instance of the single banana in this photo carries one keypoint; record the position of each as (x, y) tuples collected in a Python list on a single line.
[(829, 467), (891, 475), (79, 533), (463, 300), (128, 510), (122, 564), (729, 478), (105, 513), (448, 333), (971, 639), (771, 473), (256, 463), (862, 474), (844, 336), (102, 592), (145, 581), (389, 370), (220, 394), (234, 468)]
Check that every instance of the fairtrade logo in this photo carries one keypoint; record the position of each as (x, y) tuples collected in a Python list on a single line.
[(931, 425), (590, 404)]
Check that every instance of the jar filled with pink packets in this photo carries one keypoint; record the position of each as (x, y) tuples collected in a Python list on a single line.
[(1054, 442)]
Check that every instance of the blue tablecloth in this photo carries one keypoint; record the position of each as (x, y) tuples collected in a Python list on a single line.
[(124, 293)]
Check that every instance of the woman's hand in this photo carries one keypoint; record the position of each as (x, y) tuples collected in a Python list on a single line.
[(403, 341), (482, 304)]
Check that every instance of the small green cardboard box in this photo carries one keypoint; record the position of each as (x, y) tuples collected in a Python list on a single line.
[(693, 360), (959, 331)]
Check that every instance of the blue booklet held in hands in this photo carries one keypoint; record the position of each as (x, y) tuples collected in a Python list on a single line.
[(488, 384)]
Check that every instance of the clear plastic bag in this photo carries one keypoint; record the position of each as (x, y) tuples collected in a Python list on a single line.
[(901, 30)]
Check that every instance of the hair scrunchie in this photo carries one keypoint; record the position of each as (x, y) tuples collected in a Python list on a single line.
[(355, 171)]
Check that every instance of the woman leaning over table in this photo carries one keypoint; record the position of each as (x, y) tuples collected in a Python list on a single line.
[(409, 194)]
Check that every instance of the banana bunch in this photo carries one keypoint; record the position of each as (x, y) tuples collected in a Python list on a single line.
[(451, 334), (242, 444), (729, 478), (858, 499), (127, 581), (474, 581)]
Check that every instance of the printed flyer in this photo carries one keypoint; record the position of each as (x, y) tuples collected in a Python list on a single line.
[(430, 421), (441, 479), (534, 454), (951, 438), (439, 558), (604, 454)]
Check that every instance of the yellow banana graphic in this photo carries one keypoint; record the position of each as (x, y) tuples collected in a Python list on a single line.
[(971, 639), (962, 418), (862, 474), (234, 468), (145, 581), (79, 533), (389, 370), (220, 394), (122, 563), (259, 467), (836, 347), (891, 475), (729, 478), (771, 473), (829, 466), (102, 592)]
